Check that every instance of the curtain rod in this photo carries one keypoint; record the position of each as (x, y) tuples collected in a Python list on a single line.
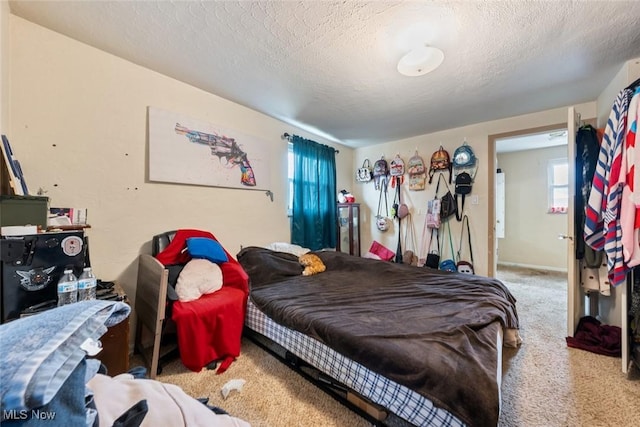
[(288, 138)]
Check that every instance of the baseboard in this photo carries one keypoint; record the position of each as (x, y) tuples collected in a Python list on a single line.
[(532, 266)]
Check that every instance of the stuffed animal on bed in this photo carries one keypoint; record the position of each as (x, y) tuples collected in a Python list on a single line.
[(312, 264)]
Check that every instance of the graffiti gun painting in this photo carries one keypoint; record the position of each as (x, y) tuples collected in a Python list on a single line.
[(184, 150), (225, 148)]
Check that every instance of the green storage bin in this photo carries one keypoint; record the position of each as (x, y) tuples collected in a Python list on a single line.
[(24, 210)]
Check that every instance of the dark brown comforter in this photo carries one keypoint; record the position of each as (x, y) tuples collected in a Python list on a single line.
[(431, 331)]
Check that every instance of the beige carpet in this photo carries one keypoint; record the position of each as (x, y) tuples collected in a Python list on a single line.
[(545, 383), (272, 396)]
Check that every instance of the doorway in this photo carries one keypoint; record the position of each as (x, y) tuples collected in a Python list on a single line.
[(534, 172), (525, 159)]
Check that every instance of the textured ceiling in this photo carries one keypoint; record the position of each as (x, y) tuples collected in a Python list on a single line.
[(330, 66)]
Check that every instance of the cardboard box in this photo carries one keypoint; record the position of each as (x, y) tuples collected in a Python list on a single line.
[(376, 411)]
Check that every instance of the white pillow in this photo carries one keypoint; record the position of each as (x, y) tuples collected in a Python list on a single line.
[(289, 248), (371, 256), (200, 276)]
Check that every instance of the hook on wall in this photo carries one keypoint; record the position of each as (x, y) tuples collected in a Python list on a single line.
[(269, 193)]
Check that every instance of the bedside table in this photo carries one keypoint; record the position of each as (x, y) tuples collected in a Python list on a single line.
[(115, 344)]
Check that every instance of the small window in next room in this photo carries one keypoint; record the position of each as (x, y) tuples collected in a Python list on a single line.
[(558, 179)]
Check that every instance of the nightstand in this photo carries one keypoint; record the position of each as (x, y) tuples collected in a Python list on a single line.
[(115, 344)]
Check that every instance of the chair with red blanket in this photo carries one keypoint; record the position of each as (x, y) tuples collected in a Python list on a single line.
[(209, 328)]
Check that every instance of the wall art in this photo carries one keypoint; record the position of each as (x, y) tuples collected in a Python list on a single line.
[(14, 170), (188, 151)]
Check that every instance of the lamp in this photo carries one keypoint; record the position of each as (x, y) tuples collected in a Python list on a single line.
[(420, 60)]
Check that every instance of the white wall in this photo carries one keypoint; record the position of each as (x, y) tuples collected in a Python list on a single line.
[(629, 72), (4, 67), (477, 136), (79, 120), (531, 233)]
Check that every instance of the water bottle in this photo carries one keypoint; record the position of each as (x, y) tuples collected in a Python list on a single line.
[(67, 288), (87, 285)]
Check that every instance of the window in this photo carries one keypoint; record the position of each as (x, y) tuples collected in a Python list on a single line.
[(558, 178), (313, 200)]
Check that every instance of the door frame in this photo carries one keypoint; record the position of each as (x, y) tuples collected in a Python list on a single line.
[(491, 184)]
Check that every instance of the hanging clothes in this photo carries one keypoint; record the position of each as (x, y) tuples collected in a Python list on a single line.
[(587, 149), (593, 267), (595, 279), (602, 229), (629, 212)]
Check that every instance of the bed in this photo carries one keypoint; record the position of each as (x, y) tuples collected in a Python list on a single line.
[(420, 346)]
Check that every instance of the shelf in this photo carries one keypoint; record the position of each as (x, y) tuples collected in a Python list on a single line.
[(53, 228)]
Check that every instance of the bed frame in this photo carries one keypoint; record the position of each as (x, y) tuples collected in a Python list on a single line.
[(372, 412), (401, 389)]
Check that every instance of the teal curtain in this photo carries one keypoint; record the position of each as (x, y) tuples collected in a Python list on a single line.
[(313, 217)]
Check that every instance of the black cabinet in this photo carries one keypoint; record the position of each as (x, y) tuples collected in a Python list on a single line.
[(349, 228), (31, 265)]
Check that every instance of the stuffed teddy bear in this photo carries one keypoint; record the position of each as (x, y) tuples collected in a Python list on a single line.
[(312, 264)]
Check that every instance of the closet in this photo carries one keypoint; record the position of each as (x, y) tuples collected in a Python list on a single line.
[(610, 225)]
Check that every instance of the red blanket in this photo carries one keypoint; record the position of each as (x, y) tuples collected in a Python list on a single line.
[(209, 328)]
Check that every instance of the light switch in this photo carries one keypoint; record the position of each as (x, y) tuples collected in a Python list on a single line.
[(474, 200)]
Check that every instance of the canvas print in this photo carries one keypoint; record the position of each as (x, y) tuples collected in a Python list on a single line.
[(188, 151), (15, 175)]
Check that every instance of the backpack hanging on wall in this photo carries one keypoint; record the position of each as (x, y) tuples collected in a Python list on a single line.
[(448, 264), (448, 204), (396, 170), (464, 182), (395, 209), (380, 173), (396, 167), (417, 173), (464, 169), (464, 157), (433, 257), (382, 221), (409, 255), (364, 173), (440, 162), (465, 266)]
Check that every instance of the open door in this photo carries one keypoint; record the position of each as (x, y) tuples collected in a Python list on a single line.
[(575, 300)]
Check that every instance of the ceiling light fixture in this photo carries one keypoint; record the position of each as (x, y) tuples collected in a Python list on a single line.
[(420, 60)]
